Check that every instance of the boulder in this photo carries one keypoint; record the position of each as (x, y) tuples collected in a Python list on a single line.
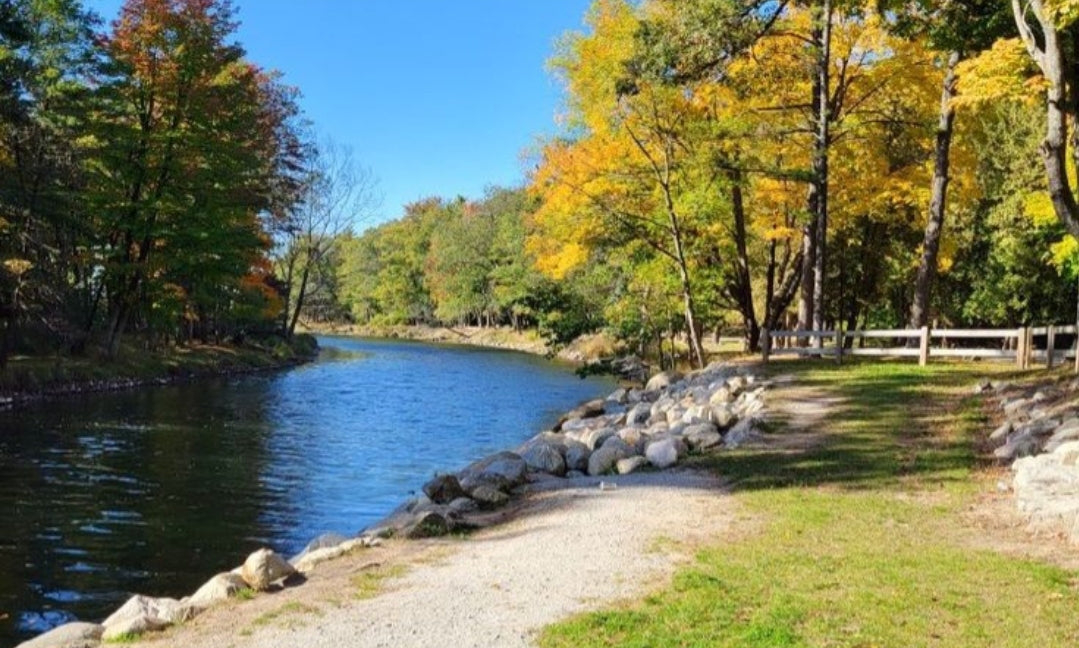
[(606, 457), (722, 416), (504, 471), (1047, 490), (488, 496), (578, 425), (1015, 407), (1068, 431), (658, 411), (225, 585), (308, 560), (443, 489), (263, 568), (662, 380), (428, 524), (576, 456), (464, 505), (634, 438), (575, 474), (69, 635), (658, 429), (619, 395), (1002, 432), (720, 396), (133, 627), (596, 438), (665, 452), (639, 415), (588, 410), (674, 414), (142, 614), (697, 414), (544, 457), (743, 432), (702, 436), (736, 384), (324, 541), (631, 464)]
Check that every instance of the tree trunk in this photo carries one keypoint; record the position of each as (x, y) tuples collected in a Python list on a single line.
[(809, 255), (1048, 52), (743, 283), (822, 113), (927, 268), (304, 276)]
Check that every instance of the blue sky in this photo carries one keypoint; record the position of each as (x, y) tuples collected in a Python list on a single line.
[(436, 97)]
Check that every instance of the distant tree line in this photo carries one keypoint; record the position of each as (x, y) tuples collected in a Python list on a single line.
[(738, 165)]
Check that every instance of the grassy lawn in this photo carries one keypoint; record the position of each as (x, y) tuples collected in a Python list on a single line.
[(862, 540)]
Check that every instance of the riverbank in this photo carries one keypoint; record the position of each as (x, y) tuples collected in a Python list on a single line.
[(588, 348), (30, 379)]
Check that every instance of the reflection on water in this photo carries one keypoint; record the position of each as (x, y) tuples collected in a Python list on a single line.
[(153, 491)]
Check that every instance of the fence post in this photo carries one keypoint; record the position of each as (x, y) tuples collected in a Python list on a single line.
[(838, 345), (923, 350), (1020, 346), (1028, 346), (766, 344), (1050, 345)]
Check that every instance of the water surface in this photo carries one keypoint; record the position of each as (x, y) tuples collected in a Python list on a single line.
[(155, 490)]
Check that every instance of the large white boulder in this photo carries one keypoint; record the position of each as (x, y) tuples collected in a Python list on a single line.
[(263, 568), (69, 635), (665, 452), (219, 588), (142, 614), (604, 459), (662, 380)]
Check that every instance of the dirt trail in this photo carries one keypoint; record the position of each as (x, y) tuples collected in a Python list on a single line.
[(576, 548)]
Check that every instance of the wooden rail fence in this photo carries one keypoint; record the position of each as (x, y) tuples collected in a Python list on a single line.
[(1016, 345)]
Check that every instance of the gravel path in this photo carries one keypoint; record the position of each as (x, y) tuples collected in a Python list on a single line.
[(577, 548)]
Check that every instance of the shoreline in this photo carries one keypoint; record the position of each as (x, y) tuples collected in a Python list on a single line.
[(596, 446), (586, 349), (179, 366)]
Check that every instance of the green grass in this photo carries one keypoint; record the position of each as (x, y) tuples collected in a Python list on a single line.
[(863, 543), (371, 582), (281, 614)]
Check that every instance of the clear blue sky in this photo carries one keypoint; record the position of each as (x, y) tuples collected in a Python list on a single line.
[(436, 97)]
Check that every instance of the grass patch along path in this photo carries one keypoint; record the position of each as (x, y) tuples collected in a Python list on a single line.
[(862, 541)]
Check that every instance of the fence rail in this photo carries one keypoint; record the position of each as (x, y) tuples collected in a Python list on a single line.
[(1016, 345)]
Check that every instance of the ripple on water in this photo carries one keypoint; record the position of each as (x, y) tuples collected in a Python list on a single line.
[(154, 490)]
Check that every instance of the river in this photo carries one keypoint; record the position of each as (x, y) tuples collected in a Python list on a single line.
[(155, 490)]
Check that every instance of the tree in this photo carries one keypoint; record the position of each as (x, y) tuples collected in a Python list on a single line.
[(956, 29), (337, 195), (1048, 31), (46, 60), (187, 155)]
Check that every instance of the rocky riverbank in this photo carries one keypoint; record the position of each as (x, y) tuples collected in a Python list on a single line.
[(1039, 438), (633, 429), (586, 349), (30, 380)]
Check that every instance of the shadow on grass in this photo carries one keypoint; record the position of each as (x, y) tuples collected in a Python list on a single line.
[(892, 423)]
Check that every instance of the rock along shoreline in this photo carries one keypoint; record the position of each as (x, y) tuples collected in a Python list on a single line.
[(1039, 438), (653, 427)]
